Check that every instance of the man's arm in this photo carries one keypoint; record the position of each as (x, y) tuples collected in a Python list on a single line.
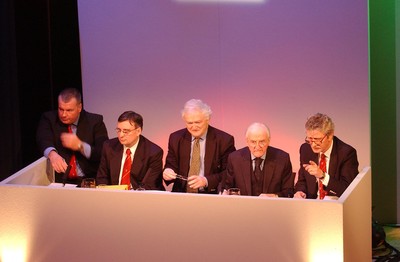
[(100, 135), (103, 173), (153, 177), (215, 178)]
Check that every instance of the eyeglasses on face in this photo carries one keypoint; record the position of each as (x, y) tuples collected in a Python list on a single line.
[(195, 123), (314, 140), (125, 131)]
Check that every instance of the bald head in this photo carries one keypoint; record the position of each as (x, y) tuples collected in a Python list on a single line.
[(258, 138)]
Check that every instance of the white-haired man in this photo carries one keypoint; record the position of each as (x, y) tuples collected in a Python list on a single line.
[(197, 155)]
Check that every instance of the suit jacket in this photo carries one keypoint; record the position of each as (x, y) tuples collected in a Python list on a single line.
[(277, 170), (218, 146), (146, 169), (343, 168), (90, 129)]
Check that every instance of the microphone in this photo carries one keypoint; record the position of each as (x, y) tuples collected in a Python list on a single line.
[(65, 176)]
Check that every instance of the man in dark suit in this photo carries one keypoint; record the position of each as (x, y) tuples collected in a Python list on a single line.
[(341, 164), (259, 169), (145, 157), (197, 155), (70, 136)]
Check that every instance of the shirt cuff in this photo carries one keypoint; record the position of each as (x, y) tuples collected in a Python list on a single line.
[(86, 150), (48, 150), (325, 181)]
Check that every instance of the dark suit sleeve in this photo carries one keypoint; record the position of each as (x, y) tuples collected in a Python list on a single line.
[(153, 178), (226, 145), (306, 183), (172, 159), (229, 177), (287, 179), (103, 173), (301, 184), (46, 134), (99, 136)]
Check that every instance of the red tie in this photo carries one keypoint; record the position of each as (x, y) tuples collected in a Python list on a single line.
[(72, 162), (126, 172), (322, 165)]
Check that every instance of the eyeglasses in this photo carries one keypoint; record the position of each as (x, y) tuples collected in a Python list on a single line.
[(254, 143), (316, 141), (125, 131), (195, 123), (181, 177)]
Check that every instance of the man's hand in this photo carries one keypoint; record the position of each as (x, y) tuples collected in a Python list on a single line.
[(196, 182), (313, 169), (169, 174), (299, 194), (71, 141), (268, 195), (57, 162)]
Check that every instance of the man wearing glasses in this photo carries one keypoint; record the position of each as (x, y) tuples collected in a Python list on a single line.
[(197, 155), (131, 159), (259, 169), (71, 138), (327, 164)]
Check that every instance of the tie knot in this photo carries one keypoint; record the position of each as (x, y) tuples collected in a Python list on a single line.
[(258, 161), (128, 152), (322, 156), (69, 128)]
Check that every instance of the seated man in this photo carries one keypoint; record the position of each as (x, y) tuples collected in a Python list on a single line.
[(259, 169), (338, 164), (197, 154), (131, 159), (72, 137)]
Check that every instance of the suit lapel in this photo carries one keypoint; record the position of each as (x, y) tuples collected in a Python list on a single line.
[(138, 160), (246, 170), (184, 153), (210, 149), (333, 159), (268, 170), (115, 163), (82, 125)]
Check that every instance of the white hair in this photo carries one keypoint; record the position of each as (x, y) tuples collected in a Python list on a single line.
[(197, 105)]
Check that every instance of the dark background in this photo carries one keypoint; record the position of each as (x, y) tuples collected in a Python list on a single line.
[(39, 56)]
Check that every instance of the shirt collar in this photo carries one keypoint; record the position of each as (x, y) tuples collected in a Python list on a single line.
[(76, 121), (329, 151), (203, 137), (262, 157)]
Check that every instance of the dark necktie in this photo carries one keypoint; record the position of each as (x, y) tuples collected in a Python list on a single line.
[(257, 168), (126, 172), (72, 162), (194, 169), (322, 165)]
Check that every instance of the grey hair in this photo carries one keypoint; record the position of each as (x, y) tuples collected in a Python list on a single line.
[(320, 122), (196, 105), (257, 125)]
